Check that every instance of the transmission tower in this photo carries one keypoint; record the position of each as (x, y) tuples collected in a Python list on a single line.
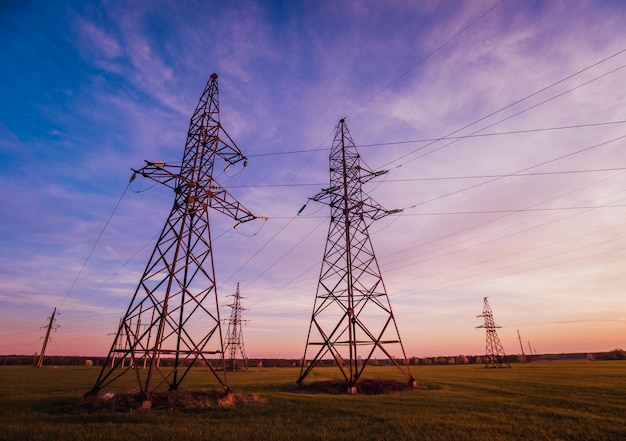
[(352, 317), (234, 334), (494, 352), (173, 318), (49, 327), (119, 342)]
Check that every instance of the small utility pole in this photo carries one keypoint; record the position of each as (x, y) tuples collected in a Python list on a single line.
[(521, 347), (51, 325), (530, 350)]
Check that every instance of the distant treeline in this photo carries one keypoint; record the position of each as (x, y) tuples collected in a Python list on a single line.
[(56, 360)]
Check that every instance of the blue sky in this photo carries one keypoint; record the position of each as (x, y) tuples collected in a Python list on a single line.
[(524, 204)]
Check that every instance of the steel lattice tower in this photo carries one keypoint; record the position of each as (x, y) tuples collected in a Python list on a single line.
[(352, 316), (234, 333), (174, 312), (494, 352)]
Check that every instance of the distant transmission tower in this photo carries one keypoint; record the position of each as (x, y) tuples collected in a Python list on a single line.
[(352, 317), (49, 327), (494, 352), (173, 318), (234, 334), (120, 340)]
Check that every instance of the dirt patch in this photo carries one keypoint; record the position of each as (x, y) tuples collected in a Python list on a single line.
[(363, 387), (174, 400)]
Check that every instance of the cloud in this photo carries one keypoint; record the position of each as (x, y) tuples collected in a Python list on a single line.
[(97, 42)]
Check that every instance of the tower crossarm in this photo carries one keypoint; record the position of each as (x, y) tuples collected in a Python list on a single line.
[(374, 211), (366, 207), (208, 192), (219, 199), (160, 172)]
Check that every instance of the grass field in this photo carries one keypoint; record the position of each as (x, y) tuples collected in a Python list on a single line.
[(539, 401)]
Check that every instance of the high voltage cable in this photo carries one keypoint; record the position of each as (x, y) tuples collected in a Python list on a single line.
[(525, 262), (442, 138), (519, 171), (94, 245), (446, 178), (491, 220), (395, 268), (516, 253), (521, 210), (525, 98), (502, 120), (482, 135), (513, 210), (501, 177), (284, 227), (501, 237), (293, 247), (561, 172), (543, 266)]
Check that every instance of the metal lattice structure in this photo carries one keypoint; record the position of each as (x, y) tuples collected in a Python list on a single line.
[(173, 320), (494, 352), (352, 319), (49, 327), (233, 345)]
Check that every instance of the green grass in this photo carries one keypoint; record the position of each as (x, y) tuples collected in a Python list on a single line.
[(540, 401)]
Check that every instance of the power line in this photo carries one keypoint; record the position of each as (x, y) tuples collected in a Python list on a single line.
[(499, 218), (403, 210), (511, 254), (106, 224), (447, 137), (533, 260), (446, 178), (508, 132), (520, 210), (512, 175), (517, 253), (499, 121), (519, 171)]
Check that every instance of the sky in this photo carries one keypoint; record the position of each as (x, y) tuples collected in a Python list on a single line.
[(502, 125)]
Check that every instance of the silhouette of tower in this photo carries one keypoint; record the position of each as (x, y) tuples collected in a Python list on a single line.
[(352, 318), (173, 318), (494, 352), (234, 334), (49, 327)]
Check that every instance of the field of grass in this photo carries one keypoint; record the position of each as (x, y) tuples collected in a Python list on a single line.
[(537, 401)]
